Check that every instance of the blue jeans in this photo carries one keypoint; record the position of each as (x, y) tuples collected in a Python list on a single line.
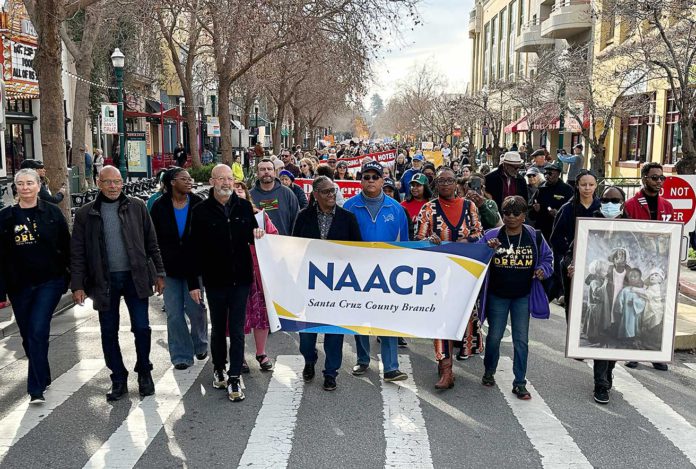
[(333, 348), (497, 310), (122, 285), (179, 304), (33, 309), (390, 358)]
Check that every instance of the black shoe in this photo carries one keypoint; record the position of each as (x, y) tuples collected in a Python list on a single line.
[(36, 399), (308, 372), (402, 342), (488, 380), (631, 364), (329, 383), (219, 379), (521, 392), (146, 387), (202, 356), (245, 367), (660, 366), (118, 390), (360, 369), (265, 363), (601, 395), (181, 366), (395, 375), (234, 390)]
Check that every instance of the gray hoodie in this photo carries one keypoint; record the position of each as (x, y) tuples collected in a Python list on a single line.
[(280, 203)]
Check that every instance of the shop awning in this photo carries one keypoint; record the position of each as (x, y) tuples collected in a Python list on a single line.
[(515, 126), (172, 113)]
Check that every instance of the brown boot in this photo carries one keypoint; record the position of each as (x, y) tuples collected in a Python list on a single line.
[(444, 367)]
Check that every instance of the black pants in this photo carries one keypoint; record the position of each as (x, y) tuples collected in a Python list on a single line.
[(227, 312), (602, 373)]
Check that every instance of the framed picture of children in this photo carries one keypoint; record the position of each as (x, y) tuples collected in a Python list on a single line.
[(623, 298)]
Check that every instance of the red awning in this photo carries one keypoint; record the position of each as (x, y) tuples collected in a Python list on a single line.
[(172, 113), (515, 126)]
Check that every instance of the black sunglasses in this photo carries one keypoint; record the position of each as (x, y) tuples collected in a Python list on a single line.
[(513, 213), (374, 177), (611, 200), (656, 178)]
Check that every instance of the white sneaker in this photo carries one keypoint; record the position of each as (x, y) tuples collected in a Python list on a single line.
[(234, 390), (219, 379)]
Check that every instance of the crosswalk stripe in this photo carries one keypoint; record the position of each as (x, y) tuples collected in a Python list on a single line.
[(667, 421), (270, 442), (546, 433), (405, 433), (691, 365), (25, 417), (128, 443)]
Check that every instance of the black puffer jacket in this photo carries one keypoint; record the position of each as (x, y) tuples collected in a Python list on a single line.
[(89, 261), (176, 259)]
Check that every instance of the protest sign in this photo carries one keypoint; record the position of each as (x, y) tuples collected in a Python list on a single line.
[(354, 162), (337, 287)]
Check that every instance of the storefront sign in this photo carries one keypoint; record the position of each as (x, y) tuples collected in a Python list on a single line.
[(213, 127), (136, 153), (109, 123)]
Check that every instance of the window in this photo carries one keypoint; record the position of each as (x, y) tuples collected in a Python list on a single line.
[(512, 20), (21, 106), (502, 45), (608, 28), (486, 52), (523, 14), (673, 132), (637, 133), (494, 49)]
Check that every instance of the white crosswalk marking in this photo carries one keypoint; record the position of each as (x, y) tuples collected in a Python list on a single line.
[(691, 365), (270, 442), (404, 427), (668, 422), (128, 443), (546, 433), (25, 417)]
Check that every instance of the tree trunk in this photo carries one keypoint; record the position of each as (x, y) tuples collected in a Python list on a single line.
[(597, 163), (192, 127), (277, 127), (83, 66), (225, 124), (47, 63)]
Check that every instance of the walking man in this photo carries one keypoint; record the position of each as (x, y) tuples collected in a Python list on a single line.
[(575, 162), (506, 180), (380, 218), (115, 254), (279, 202), (222, 228)]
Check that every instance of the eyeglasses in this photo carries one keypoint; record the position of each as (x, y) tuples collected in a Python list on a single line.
[(184, 180), (446, 181), (656, 178), (373, 177), (611, 200), (303, 165), (512, 213), (224, 179), (326, 192), (332, 161), (111, 182), (531, 175)]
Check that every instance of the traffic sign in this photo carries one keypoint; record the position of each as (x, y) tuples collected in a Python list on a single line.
[(484, 130), (679, 190)]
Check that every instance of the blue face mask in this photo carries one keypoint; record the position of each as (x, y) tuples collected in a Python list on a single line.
[(610, 209)]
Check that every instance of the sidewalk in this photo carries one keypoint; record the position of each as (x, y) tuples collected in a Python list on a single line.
[(8, 326), (685, 338)]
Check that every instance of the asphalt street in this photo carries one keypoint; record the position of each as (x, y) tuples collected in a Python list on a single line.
[(365, 423)]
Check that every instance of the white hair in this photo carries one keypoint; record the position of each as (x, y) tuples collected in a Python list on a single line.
[(27, 172), (595, 266)]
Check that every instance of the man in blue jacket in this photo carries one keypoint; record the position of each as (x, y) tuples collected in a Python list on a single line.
[(380, 218)]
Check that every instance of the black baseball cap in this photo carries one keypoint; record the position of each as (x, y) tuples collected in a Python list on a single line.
[(373, 166), (31, 164)]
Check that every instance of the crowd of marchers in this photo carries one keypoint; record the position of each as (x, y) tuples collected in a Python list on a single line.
[(199, 253)]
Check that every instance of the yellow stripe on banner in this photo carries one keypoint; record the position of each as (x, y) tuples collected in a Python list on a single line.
[(367, 330), (280, 311), (362, 244), (475, 268)]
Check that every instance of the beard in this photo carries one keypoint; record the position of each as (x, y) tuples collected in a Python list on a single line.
[(224, 192)]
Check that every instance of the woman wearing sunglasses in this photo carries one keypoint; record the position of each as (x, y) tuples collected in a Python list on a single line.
[(522, 260), (447, 218), (584, 203), (307, 168)]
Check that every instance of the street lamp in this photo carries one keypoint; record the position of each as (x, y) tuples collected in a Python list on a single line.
[(118, 60)]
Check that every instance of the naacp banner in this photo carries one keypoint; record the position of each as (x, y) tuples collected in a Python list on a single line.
[(410, 289)]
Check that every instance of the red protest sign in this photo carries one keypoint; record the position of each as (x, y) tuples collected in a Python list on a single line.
[(355, 162)]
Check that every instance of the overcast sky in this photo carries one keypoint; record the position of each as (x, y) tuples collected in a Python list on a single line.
[(442, 42)]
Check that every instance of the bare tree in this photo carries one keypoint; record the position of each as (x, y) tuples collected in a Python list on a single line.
[(661, 37), (488, 107)]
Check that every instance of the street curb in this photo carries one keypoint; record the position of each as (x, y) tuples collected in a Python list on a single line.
[(66, 302), (687, 288)]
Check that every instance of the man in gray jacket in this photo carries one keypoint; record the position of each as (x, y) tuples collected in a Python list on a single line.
[(279, 202), (114, 253)]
